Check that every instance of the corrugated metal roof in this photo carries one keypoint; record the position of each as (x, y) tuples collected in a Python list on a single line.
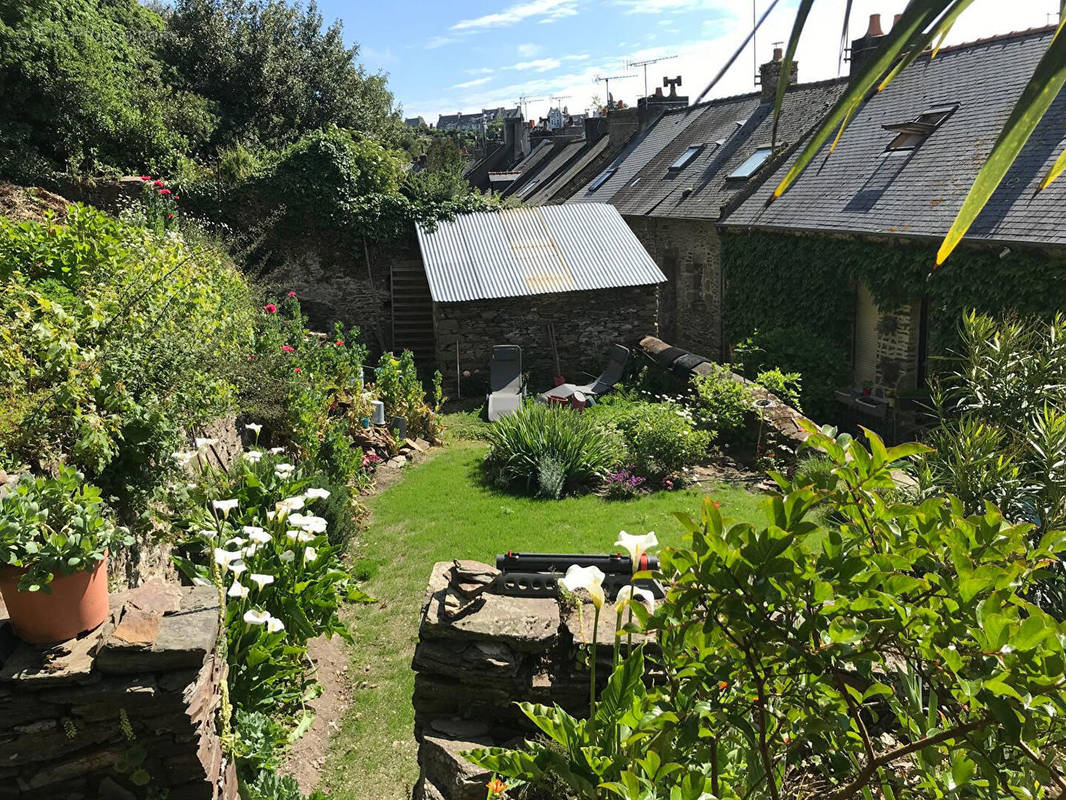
[(528, 251)]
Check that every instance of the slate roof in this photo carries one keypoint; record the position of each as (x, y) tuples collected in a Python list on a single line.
[(546, 191), (548, 170), (862, 189), (702, 187), (520, 252)]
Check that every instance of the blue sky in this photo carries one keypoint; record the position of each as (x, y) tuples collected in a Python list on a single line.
[(443, 57)]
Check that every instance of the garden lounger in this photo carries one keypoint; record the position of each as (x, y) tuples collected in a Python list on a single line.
[(505, 381), (612, 373)]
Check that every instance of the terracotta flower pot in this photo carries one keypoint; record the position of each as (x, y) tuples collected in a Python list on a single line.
[(78, 603)]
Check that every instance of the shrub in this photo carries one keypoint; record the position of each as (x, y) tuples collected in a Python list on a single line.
[(720, 403), (522, 442), (660, 438), (55, 526), (786, 386)]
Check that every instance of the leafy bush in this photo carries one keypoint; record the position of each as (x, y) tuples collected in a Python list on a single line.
[(259, 742), (117, 342), (660, 439), (720, 403), (268, 785), (852, 644), (55, 526), (824, 366), (786, 386), (522, 442), (398, 386)]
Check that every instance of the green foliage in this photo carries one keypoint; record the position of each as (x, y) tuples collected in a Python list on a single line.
[(796, 350), (398, 386), (524, 441), (117, 341), (720, 404), (848, 642), (55, 526), (260, 741), (660, 439), (268, 785), (786, 386)]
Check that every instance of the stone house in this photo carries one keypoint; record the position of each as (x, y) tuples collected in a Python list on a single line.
[(561, 282), (866, 222)]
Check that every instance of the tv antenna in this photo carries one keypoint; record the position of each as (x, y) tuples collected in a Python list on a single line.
[(558, 98), (606, 80), (524, 102), (645, 64)]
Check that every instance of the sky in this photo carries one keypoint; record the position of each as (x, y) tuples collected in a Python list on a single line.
[(442, 57)]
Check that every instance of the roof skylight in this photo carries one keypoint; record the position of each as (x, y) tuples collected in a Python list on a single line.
[(603, 178), (752, 163), (910, 135), (686, 158), (529, 187)]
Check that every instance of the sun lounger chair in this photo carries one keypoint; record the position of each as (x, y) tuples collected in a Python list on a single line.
[(505, 381), (617, 358)]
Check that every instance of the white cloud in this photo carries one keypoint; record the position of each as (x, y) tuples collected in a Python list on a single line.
[(472, 83), (546, 9), (439, 41), (528, 50), (669, 6)]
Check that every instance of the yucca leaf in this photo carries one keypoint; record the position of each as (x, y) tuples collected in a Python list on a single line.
[(1057, 169), (786, 66), (939, 32), (1037, 97), (908, 32)]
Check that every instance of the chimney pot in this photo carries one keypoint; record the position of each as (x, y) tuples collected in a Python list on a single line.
[(778, 54), (658, 91), (875, 26), (895, 20)]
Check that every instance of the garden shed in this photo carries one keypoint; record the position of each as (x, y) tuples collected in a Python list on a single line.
[(561, 282)]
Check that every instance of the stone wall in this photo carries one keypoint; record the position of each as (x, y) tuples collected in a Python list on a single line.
[(586, 324), (478, 653), (898, 332), (689, 254), (124, 712)]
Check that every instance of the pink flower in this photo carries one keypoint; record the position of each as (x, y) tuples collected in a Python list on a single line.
[(157, 183), (285, 348), (164, 191), (292, 294), (170, 216), (339, 343), (297, 369), (146, 178), (270, 308)]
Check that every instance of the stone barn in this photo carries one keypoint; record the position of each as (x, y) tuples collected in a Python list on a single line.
[(562, 282)]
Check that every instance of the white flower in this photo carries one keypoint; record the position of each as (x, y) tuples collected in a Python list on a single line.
[(184, 458), (256, 617), (236, 540), (225, 557), (237, 590), (225, 506), (254, 456), (275, 625), (316, 494), (291, 535), (257, 535), (628, 594), (251, 426), (202, 443), (287, 556), (304, 537), (310, 554), (206, 533), (588, 578), (271, 515), (261, 580), (200, 582), (237, 567), (637, 546), (313, 524), (251, 550), (283, 471), (289, 505), (276, 451)]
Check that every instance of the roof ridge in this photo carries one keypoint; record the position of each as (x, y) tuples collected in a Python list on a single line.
[(734, 97), (999, 37)]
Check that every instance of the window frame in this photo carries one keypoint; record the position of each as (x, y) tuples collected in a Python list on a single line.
[(913, 134), (690, 154), (736, 175), (602, 178)]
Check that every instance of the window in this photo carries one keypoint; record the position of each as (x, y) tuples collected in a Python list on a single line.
[(634, 183), (752, 163), (910, 135), (529, 187), (602, 179), (685, 158)]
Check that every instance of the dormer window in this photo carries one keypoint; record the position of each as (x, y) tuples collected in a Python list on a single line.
[(910, 135), (686, 158), (602, 179), (752, 163)]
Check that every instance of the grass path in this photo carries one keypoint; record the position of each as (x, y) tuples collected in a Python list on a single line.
[(437, 512)]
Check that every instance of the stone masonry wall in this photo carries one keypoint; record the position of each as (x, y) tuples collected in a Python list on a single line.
[(478, 653), (689, 254), (586, 324), (124, 712)]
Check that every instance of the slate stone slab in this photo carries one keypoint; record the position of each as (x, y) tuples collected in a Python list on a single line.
[(70, 662), (522, 623), (444, 767)]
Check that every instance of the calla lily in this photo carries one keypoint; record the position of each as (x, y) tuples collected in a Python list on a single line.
[(237, 567), (289, 505), (226, 557), (254, 456), (310, 554), (316, 494), (588, 578), (287, 557), (292, 536), (275, 625), (253, 427), (254, 616), (313, 524), (251, 550), (261, 580), (628, 594), (205, 442), (236, 589), (283, 471), (636, 546), (257, 535), (237, 541), (276, 451), (225, 506)]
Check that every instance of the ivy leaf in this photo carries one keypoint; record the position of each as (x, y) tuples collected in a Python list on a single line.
[(845, 630)]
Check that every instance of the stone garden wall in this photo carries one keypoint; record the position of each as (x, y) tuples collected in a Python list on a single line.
[(477, 654), (127, 711), (586, 324)]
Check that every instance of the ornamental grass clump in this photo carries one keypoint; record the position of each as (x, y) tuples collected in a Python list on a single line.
[(541, 441)]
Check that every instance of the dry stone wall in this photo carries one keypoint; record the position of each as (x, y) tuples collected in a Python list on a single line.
[(124, 712)]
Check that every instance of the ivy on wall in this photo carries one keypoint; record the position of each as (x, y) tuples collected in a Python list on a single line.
[(781, 280)]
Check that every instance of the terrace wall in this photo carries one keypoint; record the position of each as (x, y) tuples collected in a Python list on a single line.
[(126, 711)]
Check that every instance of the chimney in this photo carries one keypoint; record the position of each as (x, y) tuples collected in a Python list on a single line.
[(864, 48), (516, 138), (653, 106), (770, 75)]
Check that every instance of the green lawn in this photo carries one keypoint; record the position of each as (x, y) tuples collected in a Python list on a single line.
[(440, 511)]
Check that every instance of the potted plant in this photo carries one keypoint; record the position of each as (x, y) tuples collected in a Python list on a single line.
[(54, 542)]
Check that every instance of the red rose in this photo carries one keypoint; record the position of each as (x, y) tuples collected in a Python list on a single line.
[(287, 349), (157, 183), (146, 177), (292, 294), (164, 191), (297, 369), (270, 308), (170, 216), (339, 343)]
